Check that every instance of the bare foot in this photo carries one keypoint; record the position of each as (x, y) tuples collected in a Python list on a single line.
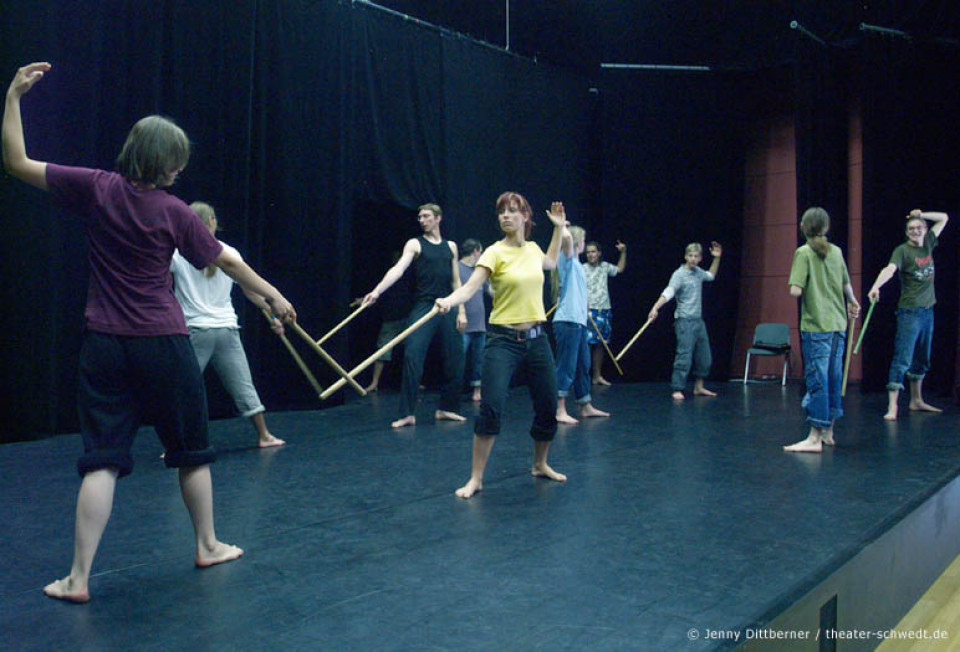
[(405, 421), (921, 406), (270, 441), (891, 414), (808, 445), (601, 381), (544, 471), (677, 396), (469, 489), (67, 590), (587, 411), (443, 415), (476, 395), (703, 391), (219, 553), (563, 417), (370, 389)]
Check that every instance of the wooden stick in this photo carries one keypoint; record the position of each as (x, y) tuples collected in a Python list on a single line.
[(326, 358), (296, 357), (863, 330), (550, 312), (604, 342), (630, 343), (846, 365), (363, 306), (386, 347)]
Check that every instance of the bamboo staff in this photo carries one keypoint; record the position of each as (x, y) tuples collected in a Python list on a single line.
[(296, 357), (863, 330), (604, 342), (630, 343), (326, 358), (363, 306), (373, 358), (550, 312), (846, 365)]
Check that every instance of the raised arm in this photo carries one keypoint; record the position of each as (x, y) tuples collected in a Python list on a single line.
[(622, 263), (465, 291), (885, 275), (716, 250), (251, 282), (410, 251), (558, 217), (939, 219), (15, 159)]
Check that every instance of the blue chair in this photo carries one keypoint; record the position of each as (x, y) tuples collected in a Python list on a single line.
[(770, 339)]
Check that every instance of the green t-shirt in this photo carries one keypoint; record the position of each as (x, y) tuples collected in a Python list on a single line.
[(822, 308), (916, 272)]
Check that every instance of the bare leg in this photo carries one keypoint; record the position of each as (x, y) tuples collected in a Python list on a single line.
[(562, 415), (375, 381), (408, 420), (477, 395), (917, 404), (540, 467), (587, 410), (827, 437), (482, 444), (196, 487), (265, 438), (892, 396), (700, 390), (94, 505), (597, 367), (444, 415), (812, 444)]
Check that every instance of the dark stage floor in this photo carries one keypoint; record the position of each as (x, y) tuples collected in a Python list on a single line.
[(675, 517)]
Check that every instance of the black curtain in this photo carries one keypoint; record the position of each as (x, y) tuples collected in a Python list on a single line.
[(672, 174), (911, 98), (299, 112)]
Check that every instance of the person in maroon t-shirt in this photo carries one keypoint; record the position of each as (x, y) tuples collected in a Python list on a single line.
[(136, 360)]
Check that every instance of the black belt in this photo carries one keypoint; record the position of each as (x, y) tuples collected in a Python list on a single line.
[(516, 334)]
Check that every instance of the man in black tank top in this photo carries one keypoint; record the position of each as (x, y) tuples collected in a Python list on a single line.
[(435, 266)]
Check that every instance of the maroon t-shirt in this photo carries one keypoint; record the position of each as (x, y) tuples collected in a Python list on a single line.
[(133, 234)]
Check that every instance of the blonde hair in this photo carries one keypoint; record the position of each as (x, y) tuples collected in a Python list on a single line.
[(693, 246), (814, 226), (207, 215)]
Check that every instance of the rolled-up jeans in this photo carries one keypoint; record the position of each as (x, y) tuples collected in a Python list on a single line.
[(823, 368), (911, 348)]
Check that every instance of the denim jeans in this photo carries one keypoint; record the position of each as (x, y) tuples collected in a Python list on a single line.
[(502, 356), (573, 360), (693, 351), (823, 368), (911, 349), (473, 344)]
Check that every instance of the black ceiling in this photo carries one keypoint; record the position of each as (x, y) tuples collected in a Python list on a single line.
[(720, 33)]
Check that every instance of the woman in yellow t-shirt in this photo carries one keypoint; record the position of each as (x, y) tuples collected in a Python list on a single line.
[(514, 266)]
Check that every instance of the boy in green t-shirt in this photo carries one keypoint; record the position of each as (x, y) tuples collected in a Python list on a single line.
[(819, 277), (911, 349)]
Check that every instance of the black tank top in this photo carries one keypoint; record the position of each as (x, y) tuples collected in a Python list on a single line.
[(434, 268)]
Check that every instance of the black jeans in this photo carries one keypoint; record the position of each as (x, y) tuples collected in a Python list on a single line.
[(415, 352), (502, 356)]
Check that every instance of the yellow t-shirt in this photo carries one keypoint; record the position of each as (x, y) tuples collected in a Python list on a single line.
[(516, 276)]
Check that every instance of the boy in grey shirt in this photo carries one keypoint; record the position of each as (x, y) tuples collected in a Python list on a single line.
[(693, 345)]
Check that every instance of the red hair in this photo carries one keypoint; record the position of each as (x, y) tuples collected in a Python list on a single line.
[(507, 199)]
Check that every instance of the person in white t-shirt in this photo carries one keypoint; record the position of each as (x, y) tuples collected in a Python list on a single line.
[(204, 296)]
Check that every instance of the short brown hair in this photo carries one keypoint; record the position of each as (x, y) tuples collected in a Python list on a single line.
[(434, 208), (155, 147)]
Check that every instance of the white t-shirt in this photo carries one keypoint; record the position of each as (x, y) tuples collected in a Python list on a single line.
[(205, 299)]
